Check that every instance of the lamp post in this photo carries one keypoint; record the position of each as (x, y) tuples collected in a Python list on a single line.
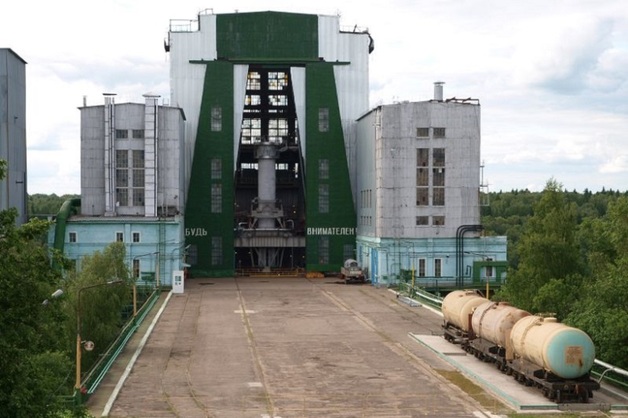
[(77, 385), (54, 295)]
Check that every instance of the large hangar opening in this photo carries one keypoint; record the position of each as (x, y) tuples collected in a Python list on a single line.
[(269, 183)]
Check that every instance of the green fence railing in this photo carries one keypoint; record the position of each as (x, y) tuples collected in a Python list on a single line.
[(98, 371)]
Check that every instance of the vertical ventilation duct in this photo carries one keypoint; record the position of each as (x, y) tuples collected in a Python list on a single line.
[(110, 163), (438, 91), (151, 156)]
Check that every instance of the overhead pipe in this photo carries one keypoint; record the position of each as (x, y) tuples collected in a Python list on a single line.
[(462, 229)]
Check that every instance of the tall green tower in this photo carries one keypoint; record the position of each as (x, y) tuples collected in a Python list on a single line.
[(271, 102)]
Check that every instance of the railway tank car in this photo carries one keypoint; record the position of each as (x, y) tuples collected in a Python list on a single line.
[(537, 351), (492, 323), (457, 308)]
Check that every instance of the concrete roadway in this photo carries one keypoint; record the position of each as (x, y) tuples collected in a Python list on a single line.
[(288, 347)]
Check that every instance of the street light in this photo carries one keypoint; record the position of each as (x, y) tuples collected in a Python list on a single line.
[(77, 384), (54, 295)]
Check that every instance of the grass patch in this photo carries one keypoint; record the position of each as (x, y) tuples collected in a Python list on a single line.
[(488, 401)]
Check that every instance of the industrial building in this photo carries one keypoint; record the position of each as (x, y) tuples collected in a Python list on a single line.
[(420, 186), (269, 160), (271, 101), (13, 193), (132, 187)]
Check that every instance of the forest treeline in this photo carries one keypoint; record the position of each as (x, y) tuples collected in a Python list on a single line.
[(44, 205), (568, 258)]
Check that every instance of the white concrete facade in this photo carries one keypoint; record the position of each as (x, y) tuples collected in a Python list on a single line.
[(418, 189), (388, 166), (152, 147)]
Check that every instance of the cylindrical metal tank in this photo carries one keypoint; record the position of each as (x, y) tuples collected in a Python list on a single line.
[(459, 305), (493, 321), (563, 350)]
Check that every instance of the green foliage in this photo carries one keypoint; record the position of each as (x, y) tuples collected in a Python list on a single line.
[(33, 363), (46, 205), (547, 251), (569, 256), (602, 310), (3, 169), (101, 303)]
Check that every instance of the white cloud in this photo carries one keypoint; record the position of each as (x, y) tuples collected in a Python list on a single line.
[(550, 75)]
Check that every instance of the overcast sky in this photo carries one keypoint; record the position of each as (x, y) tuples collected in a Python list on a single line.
[(551, 75)]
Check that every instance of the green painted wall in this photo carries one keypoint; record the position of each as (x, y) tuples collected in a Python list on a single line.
[(264, 35), (321, 93), (201, 224)]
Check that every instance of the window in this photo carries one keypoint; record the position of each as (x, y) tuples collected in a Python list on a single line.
[(122, 197), (323, 169), (119, 236), (323, 250), (438, 267), (72, 237), (136, 268), (122, 133), (253, 100), (216, 251), (122, 177), (439, 132), (277, 80), (138, 133), (422, 177), (216, 118), (323, 198), (253, 81), (138, 197), (138, 178), (489, 271), (216, 169), (136, 237), (438, 220), (122, 160), (216, 198), (323, 119), (422, 220), (251, 130), (438, 196), (438, 177), (422, 132), (438, 157), (422, 157), (136, 191), (138, 158), (278, 100), (422, 196), (421, 267), (277, 128)]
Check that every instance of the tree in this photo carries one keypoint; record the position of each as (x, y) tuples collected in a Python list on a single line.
[(602, 308), (101, 307), (32, 360), (547, 251)]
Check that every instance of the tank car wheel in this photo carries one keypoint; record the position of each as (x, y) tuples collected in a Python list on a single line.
[(583, 394)]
